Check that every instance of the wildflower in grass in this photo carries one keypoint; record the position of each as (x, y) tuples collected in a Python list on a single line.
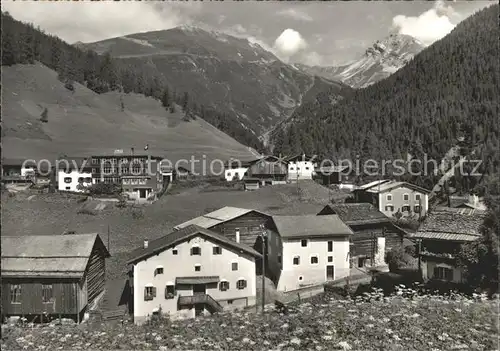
[(344, 345)]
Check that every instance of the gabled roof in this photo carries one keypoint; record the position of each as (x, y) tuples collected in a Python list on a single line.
[(301, 157), (392, 184), (357, 213), (307, 226), (372, 184), (453, 224), (238, 163), (270, 158), (173, 238), (64, 256), (221, 215)]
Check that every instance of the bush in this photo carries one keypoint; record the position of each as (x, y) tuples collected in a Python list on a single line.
[(104, 189), (122, 202), (397, 258)]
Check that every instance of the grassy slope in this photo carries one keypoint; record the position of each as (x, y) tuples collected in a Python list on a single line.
[(52, 214), (396, 324), (84, 122)]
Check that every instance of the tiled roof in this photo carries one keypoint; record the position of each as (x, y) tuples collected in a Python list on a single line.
[(185, 233), (372, 184), (311, 226), (455, 224), (47, 255), (358, 213), (387, 186), (221, 215)]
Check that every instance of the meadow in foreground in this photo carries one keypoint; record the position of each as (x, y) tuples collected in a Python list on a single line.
[(370, 322)]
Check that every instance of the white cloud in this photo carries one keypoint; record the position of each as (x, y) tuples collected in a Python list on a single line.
[(430, 26), (87, 22), (289, 42), (295, 14)]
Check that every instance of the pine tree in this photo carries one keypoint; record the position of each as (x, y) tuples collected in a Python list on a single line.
[(44, 117), (165, 100)]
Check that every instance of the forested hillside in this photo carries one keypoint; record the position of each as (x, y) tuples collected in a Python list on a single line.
[(24, 44), (448, 91)]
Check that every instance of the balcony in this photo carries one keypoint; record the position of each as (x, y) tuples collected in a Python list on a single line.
[(198, 299)]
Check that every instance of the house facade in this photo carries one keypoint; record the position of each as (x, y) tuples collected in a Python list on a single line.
[(47, 276), (373, 232), (301, 167), (73, 175), (139, 176), (189, 272), (246, 226), (315, 250), (441, 234), (395, 199)]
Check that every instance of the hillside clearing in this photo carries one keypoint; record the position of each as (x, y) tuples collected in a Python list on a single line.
[(82, 122)]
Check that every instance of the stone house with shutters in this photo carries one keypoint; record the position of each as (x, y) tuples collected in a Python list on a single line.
[(190, 272)]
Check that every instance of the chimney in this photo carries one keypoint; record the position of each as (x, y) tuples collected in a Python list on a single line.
[(237, 235), (146, 243)]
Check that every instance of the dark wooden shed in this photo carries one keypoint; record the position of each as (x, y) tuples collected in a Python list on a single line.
[(50, 276)]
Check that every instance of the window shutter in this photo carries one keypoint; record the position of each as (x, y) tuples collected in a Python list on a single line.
[(154, 292), (145, 294), (165, 291)]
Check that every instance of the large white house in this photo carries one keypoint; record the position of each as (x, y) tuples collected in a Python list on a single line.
[(189, 272), (395, 199), (300, 167), (315, 250)]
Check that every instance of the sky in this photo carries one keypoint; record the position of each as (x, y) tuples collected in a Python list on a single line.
[(313, 33)]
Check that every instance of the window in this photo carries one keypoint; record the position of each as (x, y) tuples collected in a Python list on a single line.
[(406, 197), (301, 278), (228, 174), (330, 258), (292, 168), (406, 208), (389, 197), (80, 179), (195, 251), (307, 168), (417, 209), (389, 208), (314, 260), (15, 293), (417, 197), (197, 268), (217, 250), (95, 161), (169, 291), (149, 293), (330, 246), (296, 260), (443, 273), (88, 180), (279, 259), (241, 284), (158, 270), (303, 243), (229, 302), (174, 252), (234, 266), (224, 285), (67, 179), (68, 188)]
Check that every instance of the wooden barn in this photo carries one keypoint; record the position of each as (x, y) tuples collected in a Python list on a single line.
[(269, 170), (51, 276), (245, 226), (374, 233)]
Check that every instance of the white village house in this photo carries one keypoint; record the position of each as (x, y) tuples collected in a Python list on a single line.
[(392, 198), (73, 175), (300, 167), (315, 250), (235, 170), (189, 272)]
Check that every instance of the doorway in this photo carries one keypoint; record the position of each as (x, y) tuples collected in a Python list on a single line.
[(199, 289), (142, 193), (330, 273)]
